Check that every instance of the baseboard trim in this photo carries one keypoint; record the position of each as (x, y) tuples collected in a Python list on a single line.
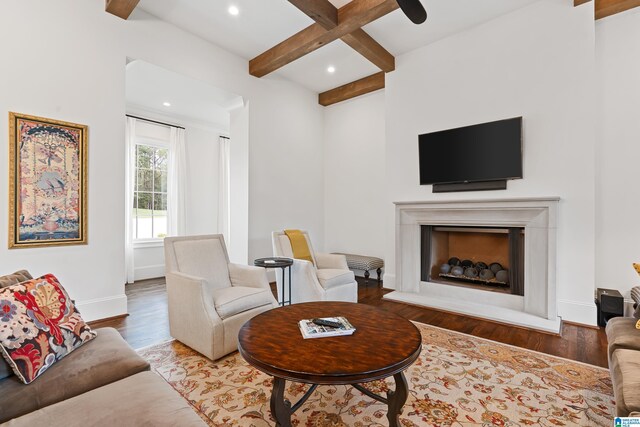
[(389, 280), (582, 325), (578, 312), (148, 272), (96, 323), (103, 308)]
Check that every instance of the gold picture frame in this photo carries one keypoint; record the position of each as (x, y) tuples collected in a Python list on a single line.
[(47, 182)]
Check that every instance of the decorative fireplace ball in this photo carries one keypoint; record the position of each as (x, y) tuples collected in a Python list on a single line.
[(486, 274), (495, 267), (471, 272), (457, 271), (467, 270), (502, 276), (445, 268)]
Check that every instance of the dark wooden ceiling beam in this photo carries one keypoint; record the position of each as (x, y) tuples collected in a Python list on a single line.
[(321, 11), (121, 8), (296, 46), (326, 14), (353, 89), (366, 46), (604, 8), (351, 17), (359, 13)]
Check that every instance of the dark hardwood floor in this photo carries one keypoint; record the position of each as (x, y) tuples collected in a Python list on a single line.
[(148, 324), (148, 319)]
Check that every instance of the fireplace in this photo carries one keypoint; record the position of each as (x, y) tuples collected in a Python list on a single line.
[(486, 258), (519, 234)]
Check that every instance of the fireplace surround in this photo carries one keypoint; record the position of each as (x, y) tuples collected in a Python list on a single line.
[(537, 217)]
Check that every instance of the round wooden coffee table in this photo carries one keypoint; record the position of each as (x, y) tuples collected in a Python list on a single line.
[(383, 345)]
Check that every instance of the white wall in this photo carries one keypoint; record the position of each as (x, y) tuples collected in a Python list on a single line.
[(285, 169), (537, 62), (66, 60), (354, 147), (618, 151), (238, 242)]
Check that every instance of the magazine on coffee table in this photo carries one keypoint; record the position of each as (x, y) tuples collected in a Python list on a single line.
[(311, 330)]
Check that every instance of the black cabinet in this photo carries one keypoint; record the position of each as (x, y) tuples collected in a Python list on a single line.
[(610, 304)]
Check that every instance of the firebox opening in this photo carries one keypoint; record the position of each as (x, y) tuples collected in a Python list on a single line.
[(487, 258)]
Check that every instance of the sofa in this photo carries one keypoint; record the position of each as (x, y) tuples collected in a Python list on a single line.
[(103, 382), (624, 364)]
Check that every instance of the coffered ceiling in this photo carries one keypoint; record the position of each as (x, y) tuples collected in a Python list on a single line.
[(302, 40), (262, 24)]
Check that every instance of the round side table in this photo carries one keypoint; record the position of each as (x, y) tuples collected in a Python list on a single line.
[(277, 262)]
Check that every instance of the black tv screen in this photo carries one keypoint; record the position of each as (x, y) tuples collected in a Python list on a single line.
[(484, 152)]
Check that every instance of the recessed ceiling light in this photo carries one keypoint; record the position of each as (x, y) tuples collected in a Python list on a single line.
[(166, 104), (331, 69), (233, 10)]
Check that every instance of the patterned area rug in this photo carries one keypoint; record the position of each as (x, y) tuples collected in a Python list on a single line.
[(459, 380)]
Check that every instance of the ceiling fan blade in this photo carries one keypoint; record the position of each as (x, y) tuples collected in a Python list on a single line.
[(414, 10)]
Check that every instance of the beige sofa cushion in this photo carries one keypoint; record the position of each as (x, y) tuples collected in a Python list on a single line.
[(144, 399), (622, 333), (329, 277), (5, 369), (105, 359), (12, 279), (237, 299), (625, 373)]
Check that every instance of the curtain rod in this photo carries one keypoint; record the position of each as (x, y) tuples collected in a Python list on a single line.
[(225, 137), (154, 121)]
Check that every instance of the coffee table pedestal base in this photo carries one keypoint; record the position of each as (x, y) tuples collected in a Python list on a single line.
[(281, 408), (397, 399)]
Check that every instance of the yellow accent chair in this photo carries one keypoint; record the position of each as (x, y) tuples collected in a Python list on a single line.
[(327, 278)]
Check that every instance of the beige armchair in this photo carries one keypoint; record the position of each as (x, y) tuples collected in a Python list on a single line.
[(210, 298), (329, 280)]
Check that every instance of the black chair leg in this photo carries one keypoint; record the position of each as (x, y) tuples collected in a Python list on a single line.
[(366, 277), (379, 271)]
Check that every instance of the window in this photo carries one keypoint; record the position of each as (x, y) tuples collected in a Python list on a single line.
[(150, 192)]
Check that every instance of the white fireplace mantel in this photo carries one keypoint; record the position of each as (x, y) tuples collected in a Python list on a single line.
[(538, 216)]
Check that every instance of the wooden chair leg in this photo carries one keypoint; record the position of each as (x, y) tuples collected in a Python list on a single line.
[(379, 271), (366, 277)]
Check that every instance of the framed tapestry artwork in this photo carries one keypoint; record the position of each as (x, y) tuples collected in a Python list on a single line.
[(47, 182)]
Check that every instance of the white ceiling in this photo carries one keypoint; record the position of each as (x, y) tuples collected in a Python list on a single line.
[(262, 24), (149, 86)]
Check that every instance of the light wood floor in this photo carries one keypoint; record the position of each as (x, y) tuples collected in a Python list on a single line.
[(148, 324)]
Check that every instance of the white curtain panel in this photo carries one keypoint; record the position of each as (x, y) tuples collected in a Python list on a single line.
[(223, 190), (176, 177), (130, 180)]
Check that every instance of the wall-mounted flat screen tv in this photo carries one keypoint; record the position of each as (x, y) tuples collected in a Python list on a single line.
[(485, 152)]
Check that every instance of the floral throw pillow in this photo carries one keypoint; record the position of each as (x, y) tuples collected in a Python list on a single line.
[(39, 325)]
